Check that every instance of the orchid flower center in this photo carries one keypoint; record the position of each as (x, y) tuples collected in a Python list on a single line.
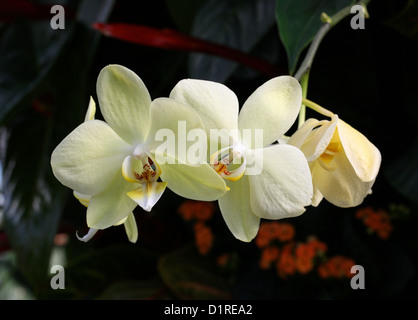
[(229, 163), (140, 167)]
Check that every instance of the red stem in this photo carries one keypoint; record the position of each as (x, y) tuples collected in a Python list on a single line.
[(173, 40)]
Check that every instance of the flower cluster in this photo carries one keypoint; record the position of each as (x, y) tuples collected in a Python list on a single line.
[(377, 221), (280, 250), (199, 212), (336, 267), (274, 230), (196, 210), (201, 145)]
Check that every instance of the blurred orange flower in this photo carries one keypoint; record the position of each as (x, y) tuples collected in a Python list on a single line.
[(199, 210), (318, 246), (273, 230), (304, 250), (266, 233), (336, 267), (268, 256), (285, 232), (203, 237), (278, 249), (376, 220), (223, 260), (286, 265), (304, 264)]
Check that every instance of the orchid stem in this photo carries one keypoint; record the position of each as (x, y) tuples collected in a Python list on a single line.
[(328, 23), (302, 113)]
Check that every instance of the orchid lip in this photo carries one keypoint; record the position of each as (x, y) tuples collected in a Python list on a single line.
[(221, 161), (148, 194), (136, 171)]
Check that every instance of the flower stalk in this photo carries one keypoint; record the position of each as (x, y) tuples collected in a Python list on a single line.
[(304, 84), (316, 107), (329, 22)]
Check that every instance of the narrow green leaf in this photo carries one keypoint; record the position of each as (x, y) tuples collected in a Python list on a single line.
[(32, 195), (27, 53), (10, 286), (299, 20), (48, 103)]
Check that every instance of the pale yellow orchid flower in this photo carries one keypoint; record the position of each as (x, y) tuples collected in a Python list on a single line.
[(282, 186), (129, 222), (111, 165), (343, 162)]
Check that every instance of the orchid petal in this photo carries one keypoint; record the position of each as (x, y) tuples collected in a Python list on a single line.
[(320, 139), (83, 198), (91, 110), (121, 222), (215, 103), (112, 205), (196, 182), (364, 157), (341, 186), (302, 133), (148, 194), (174, 120), (284, 187), (273, 107), (124, 102), (131, 228), (283, 140), (88, 158), (317, 197), (236, 210)]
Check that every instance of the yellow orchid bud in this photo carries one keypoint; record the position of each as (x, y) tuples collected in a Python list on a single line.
[(343, 162)]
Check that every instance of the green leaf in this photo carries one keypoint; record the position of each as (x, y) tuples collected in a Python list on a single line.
[(299, 20), (134, 290), (51, 98), (30, 49), (240, 24), (10, 286), (27, 53), (32, 196), (190, 276)]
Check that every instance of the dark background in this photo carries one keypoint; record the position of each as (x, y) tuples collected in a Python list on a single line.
[(367, 77)]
